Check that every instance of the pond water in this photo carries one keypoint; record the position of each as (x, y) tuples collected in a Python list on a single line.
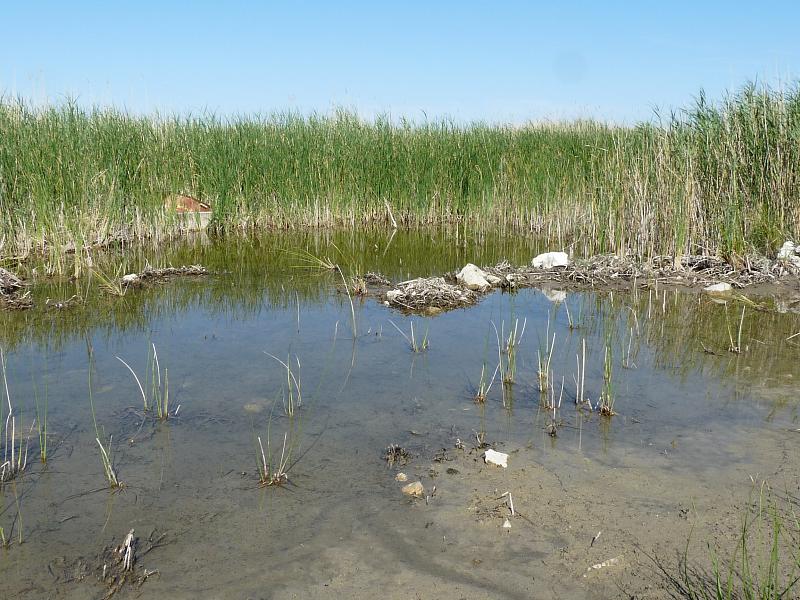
[(695, 425)]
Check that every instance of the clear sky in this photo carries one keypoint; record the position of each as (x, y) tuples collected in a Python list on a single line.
[(490, 61)]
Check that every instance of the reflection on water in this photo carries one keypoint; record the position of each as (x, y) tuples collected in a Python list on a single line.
[(681, 396)]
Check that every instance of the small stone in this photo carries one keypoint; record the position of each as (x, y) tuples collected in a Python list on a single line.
[(452, 471), (506, 524), (401, 477), (549, 260), (493, 457), (414, 489)]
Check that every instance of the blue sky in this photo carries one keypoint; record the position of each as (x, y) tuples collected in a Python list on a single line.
[(490, 61)]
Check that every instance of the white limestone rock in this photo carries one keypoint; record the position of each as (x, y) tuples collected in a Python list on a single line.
[(473, 278), (787, 251), (414, 489), (550, 260), (718, 288)]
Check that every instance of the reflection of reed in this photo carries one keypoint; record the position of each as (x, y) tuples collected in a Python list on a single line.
[(668, 331), (645, 328), (253, 273)]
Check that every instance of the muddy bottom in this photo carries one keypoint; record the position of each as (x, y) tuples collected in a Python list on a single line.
[(603, 506)]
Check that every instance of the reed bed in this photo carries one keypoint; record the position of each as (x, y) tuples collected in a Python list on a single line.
[(718, 177)]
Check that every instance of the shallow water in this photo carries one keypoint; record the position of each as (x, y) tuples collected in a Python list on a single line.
[(691, 427)]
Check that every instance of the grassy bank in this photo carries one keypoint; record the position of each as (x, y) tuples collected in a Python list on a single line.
[(721, 177)]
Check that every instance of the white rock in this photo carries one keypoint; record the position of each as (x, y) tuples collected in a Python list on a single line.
[(493, 280), (414, 489), (718, 288), (548, 260), (794, 262), (493, 457), (473, 278), (130, 278), (401, 477), (506, 524), (787, 251)]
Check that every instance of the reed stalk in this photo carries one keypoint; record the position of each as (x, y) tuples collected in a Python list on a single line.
[(718, 176), (15, 456), (416, 346)]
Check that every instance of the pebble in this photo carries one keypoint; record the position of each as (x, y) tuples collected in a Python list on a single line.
[(414, 489)]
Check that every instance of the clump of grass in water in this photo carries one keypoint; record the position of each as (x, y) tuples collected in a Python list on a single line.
[(15, 458), (108, 462), (607, 397), (415, 345), (359, 286), (158, 387), (294, 395), (483, 387), (272, 471), (111, 284), (543, 372), (4, 540), (41, 418), (508, 346), (580, 378), (106, 450), (573, 324), (552, 428), (736, 347), (764, 564)]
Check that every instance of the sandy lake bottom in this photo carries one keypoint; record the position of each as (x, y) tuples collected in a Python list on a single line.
[(699, 433)]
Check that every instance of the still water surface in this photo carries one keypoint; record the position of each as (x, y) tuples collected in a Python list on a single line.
[(688, 422)]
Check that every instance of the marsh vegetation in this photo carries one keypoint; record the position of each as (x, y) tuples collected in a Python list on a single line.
[(690, 381), (719, 177)]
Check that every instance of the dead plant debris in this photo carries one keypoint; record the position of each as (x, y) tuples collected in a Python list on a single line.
[(689, 270), (152, 275), (117, 566), (429, 295), (9, 283), (396, 455), (432, 292), (12, 293)]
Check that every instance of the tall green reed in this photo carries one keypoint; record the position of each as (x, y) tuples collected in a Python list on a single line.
[(718, 177)]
